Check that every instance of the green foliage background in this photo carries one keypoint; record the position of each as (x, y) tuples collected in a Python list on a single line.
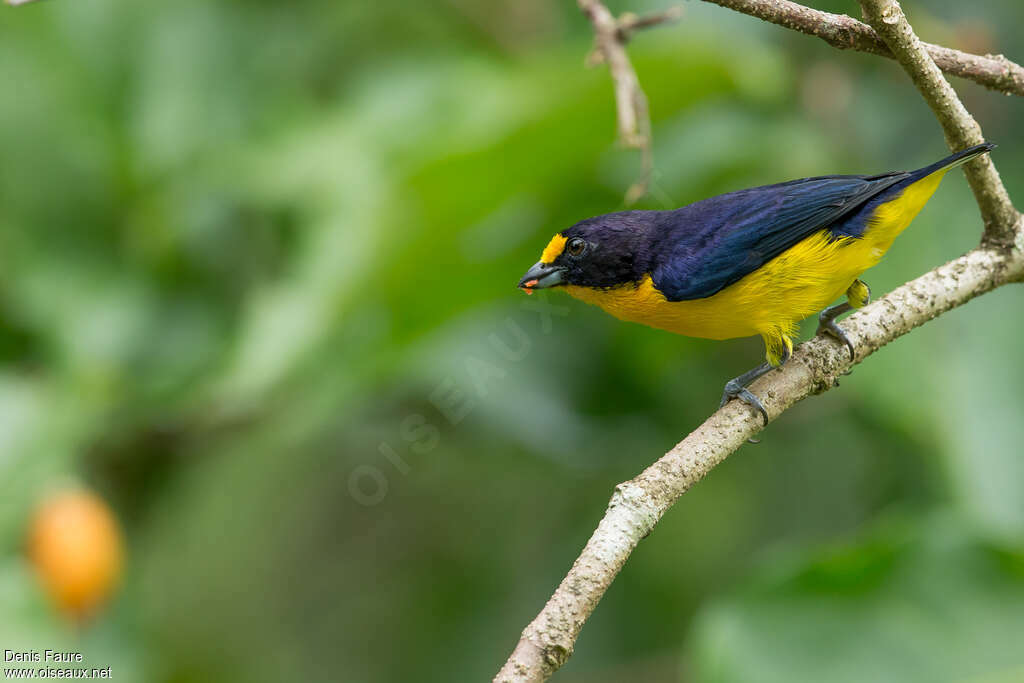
[(242, 244)]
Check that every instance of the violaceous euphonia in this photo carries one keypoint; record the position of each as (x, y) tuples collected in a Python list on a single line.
[(745, 263)]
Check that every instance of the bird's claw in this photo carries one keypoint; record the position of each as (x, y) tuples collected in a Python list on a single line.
[(734, 389), (831, 328)]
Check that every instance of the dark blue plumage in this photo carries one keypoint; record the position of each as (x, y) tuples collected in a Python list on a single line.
[(696, 251), (711, 244)]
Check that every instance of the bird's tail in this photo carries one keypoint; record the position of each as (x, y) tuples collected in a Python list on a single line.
[(954, 160)]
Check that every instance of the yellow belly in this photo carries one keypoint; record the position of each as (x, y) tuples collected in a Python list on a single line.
[(771, 300)]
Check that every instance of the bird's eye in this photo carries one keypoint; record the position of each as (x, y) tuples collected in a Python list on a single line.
[(575, 246)]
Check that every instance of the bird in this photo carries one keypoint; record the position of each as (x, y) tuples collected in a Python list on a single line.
[(752, 262)]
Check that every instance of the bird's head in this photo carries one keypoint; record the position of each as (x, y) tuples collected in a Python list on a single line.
[(599, 253)]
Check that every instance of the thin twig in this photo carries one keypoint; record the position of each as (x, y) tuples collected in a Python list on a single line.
[(629, 22), (960, 128), (634, 121), (995, 72)]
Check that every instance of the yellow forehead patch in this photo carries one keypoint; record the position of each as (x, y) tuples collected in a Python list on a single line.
[(553, 250)]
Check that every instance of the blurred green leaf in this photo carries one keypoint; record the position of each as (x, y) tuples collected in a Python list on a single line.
[(912, 602)]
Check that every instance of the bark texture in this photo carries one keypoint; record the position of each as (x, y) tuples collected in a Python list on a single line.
[(995, 72)]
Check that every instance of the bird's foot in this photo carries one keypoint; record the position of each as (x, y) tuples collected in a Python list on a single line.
[(734, 388), (827, 324)]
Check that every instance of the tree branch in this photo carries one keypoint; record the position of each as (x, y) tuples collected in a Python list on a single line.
[(995, 72), (960, 128), (634, 121), (637, 505)]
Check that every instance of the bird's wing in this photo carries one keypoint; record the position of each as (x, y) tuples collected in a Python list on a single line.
[(705, 247)]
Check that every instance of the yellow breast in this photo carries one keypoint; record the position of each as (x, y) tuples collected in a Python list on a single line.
[(795, 284)]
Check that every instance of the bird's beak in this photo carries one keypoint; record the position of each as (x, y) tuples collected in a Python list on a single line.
[(540, 276)]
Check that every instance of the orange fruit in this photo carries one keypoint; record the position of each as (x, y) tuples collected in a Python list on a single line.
[(75, 545)]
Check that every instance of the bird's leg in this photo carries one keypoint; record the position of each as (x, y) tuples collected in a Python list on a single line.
[(737, 387), (827, 323), (858, 294)]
